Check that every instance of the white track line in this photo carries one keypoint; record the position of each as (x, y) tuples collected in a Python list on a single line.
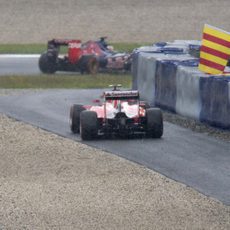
[(20, 55)]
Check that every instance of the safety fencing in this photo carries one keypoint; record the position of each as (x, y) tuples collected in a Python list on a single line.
[(167, 76)]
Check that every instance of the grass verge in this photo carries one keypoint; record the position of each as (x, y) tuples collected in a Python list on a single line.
[(22, 48), (40, 48), (65, 81)]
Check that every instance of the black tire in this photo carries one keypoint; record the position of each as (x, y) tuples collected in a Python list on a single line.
[(92, 66), (46, 64), (88, 125), (75, 112), (154, 123), (89, 64)]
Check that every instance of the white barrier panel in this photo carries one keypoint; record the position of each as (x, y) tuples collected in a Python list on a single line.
[(146, 77), (188, 101)]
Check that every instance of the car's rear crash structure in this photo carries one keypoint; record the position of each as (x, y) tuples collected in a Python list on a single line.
[(121, 113)]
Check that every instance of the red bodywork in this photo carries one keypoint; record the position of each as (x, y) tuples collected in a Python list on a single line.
[(111, 106), (109, 110), (91, 47), (74, 51)]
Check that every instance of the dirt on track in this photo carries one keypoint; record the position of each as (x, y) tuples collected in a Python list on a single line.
[(32, 21)]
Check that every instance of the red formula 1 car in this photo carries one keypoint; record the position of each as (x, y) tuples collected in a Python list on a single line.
[(87, 57), (121, 113)]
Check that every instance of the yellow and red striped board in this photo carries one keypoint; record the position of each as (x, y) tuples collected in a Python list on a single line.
[(215, 50)]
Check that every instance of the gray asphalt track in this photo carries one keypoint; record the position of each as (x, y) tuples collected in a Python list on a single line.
[(194, 159), (19, 64)]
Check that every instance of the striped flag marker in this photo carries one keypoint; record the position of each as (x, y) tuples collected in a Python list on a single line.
[(215, 50)]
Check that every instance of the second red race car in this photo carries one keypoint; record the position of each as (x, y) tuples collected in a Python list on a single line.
[(121, 113), (89, 57)]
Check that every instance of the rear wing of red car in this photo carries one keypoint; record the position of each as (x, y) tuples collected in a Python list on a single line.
[(121, 95), (63, 42)]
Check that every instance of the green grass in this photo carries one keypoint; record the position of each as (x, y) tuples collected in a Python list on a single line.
[(65, 81), (22, 48), (127, 47), (40, 48)]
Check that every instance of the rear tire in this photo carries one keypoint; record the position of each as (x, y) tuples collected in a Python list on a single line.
[(89, 64), (47, 65), (75, 112), (154, 123), (88, 125), (92, 66)]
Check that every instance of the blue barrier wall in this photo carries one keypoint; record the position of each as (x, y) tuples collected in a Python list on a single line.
[(229, 91), (215, 101), (165, 80), (171, 80)]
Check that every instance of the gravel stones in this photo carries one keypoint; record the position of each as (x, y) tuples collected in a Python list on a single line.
[(47, 181)]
